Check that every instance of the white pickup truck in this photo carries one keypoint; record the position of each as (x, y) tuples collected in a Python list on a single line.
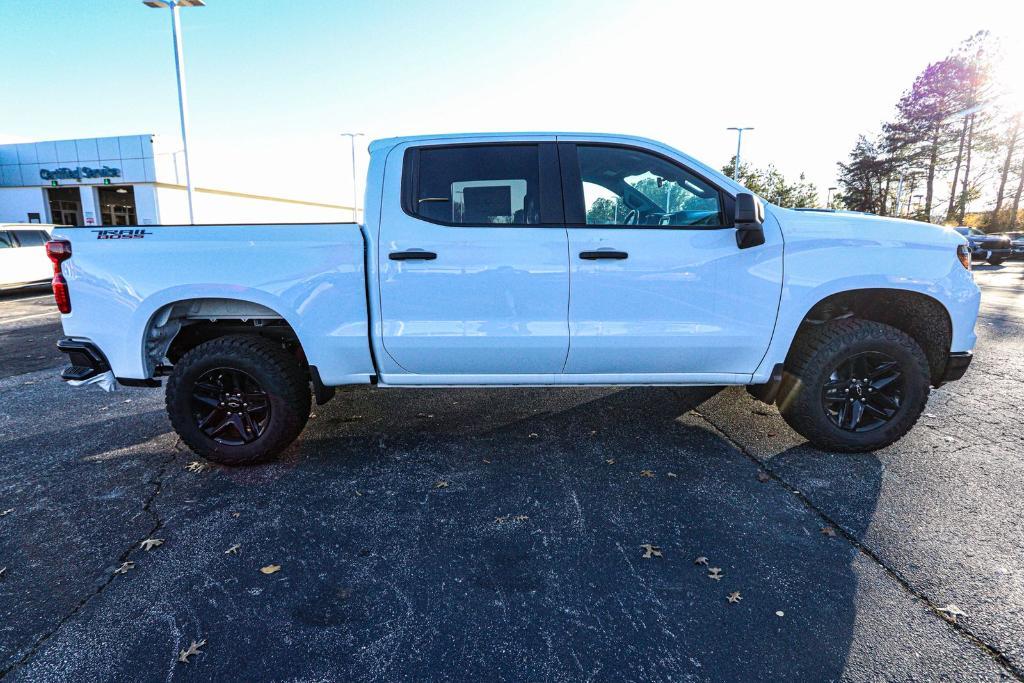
[(524, 260)]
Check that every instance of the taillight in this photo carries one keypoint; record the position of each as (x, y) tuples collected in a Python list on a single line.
[(59, 251), (963, 252)]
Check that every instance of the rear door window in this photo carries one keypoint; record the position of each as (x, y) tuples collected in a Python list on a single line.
[(482, 185), (5, 240)]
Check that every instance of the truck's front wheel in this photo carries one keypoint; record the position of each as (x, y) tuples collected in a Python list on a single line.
[(237, 400), (854, 385)]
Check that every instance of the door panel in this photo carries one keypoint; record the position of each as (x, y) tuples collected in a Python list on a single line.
[(683, 301), (679, 296), (495, 297)]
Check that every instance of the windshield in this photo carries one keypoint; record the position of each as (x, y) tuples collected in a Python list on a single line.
[(969, 231)]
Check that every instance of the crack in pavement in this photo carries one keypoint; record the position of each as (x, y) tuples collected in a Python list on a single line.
[(959, 628), (157, 483)]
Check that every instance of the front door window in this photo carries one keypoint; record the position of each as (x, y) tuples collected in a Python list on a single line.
[(625, 186)]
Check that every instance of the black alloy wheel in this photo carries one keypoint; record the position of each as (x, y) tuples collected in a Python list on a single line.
[(230, 407), (864, 392)]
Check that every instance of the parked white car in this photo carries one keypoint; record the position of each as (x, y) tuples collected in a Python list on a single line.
[(524, 259), (23, 258)]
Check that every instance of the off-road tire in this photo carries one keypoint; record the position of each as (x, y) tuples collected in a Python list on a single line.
[(279, 374), (821, 349)]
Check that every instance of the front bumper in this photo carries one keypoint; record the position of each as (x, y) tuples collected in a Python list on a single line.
[(985, 254), (956, 366)]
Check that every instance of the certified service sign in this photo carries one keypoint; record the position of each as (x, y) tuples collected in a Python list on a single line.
[(79, 172)]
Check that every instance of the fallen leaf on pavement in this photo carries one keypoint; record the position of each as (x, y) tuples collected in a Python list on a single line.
[(610, 461), (520, 518), (734, 597), (503, 518), (151, 543), (951, 612), (441, 485), (672, 475), (650, 551), (193, 649), (701, 560), (233, 550), (646, 473), (236, 515), (3, 570), (6, 512), (488, 462), (197, 466), (125, 566), (763, 476), (715, 573), (828, 531), (533, 435), (271, 568)]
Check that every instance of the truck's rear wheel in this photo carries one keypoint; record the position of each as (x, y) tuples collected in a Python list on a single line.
[(237, 400), (854, 385)]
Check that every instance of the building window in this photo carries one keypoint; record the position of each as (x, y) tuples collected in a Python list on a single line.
[(117, 205), (65, 205)]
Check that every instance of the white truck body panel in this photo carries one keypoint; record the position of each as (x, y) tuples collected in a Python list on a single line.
[(311, 275), (513, 305)]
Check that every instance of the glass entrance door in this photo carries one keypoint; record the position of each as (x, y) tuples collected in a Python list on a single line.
[(65, 205), (117, 205)]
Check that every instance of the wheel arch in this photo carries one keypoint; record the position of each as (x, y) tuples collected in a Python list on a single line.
[(177, 326), (922, 317)]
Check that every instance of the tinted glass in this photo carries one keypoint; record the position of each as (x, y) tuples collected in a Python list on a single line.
[(479, 185), (623, 186), (5, 240), (31, 238)]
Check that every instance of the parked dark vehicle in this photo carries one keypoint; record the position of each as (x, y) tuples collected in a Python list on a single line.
[(984, 247), (1016, 243)]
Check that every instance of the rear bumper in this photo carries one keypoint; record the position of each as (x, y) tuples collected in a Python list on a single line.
[(956, 366), (86, 359)]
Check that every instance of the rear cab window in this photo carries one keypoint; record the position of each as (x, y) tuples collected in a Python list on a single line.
[(30, 238)]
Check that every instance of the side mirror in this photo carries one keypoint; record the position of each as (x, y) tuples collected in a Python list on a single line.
[(749, 218)]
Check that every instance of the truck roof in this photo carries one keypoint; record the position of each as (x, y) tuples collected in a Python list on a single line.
[(386, 143)]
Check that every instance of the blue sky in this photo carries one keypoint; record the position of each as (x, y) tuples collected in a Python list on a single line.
[(270, 83)]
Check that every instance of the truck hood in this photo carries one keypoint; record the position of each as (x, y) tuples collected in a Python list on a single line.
[(863, 227)]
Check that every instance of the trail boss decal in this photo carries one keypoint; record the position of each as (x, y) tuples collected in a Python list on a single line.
[(131, 234)]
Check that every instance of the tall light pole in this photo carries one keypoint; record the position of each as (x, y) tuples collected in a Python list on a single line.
[(355, 180), (179, 68), (739, 144), (828, 197)]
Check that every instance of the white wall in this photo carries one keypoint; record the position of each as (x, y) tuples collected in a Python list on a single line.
[(17, 202), (221, 208)]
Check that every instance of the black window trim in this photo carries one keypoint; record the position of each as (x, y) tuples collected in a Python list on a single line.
[(551, 205), (575, 207), (16, 237)]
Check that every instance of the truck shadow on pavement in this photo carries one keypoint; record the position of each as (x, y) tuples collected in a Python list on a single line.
[(471, 534)]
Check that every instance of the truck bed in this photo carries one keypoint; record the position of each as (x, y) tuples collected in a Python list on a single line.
[(311, 275)]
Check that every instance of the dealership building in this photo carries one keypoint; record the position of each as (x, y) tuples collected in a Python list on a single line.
[(128, 180)]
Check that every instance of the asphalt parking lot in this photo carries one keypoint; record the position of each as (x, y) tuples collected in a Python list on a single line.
[(499, 534)]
